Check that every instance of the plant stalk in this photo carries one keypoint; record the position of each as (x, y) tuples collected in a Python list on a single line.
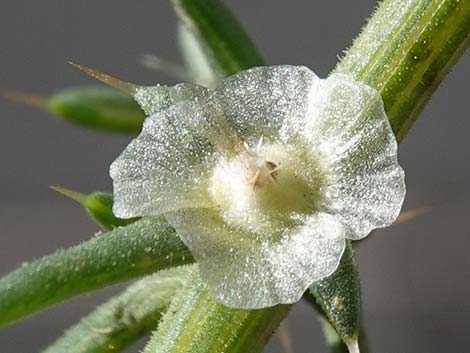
[(144, 247), (195, 323), (124, 318)]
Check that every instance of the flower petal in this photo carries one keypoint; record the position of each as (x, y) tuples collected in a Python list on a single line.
[(166, 166), (154, 99), (348, 127), (246, 270), (267, 101)]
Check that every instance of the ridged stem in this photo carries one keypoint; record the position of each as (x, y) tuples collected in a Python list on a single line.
[(195, 323), (405, 52)]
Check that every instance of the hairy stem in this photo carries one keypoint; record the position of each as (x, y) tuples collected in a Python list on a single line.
[(405, 52), (124, 318), (144, 247), (195, 323)]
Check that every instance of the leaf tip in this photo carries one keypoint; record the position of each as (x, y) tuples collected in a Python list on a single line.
[(353, 345), (409, 215), (28, 99), (107, 79), (74, 195)]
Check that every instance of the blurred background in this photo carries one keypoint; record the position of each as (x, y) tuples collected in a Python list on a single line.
[(415, 276)]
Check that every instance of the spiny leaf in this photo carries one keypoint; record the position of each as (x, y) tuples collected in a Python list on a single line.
[(123, 319), (165, 66), (124, 86), (198, 67), (225, 42), (97, 108), (99, 206), (340, 297), (143, 247), (412, 214)]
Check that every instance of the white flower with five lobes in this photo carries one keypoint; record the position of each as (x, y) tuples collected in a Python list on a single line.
[(264, 177)]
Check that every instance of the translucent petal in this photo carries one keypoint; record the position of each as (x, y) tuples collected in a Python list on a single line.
[(348, 127), (166, 167), (269, 101), (154, 99), (247, 270)]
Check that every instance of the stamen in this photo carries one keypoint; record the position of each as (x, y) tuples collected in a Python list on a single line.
[(254, 181)]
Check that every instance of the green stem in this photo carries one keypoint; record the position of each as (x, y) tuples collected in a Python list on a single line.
[(196, 323), (144, 247), (405, 52), (123, 319)]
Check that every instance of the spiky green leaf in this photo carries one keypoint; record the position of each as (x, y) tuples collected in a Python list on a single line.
[(141, 248), (124, 318), (224, 41), (99, 206)]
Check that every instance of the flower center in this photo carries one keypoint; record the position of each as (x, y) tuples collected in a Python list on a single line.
[(263, 170), (262, 188)]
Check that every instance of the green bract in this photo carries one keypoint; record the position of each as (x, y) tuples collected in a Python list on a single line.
[(264, 177)]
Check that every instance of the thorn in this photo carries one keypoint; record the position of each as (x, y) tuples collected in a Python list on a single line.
[(285, 337), (74, 195), (169, 68), (31, 100), (127, 87), (412, 214), (353, 346)]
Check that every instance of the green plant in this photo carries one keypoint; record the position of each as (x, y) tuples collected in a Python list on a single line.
[(404, 52)]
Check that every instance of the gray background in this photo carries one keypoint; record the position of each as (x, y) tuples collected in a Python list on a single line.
[(415, 275)]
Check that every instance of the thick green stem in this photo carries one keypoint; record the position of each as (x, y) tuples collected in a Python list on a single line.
[(144, 247), (196, 323), (405, 52), (124, 318)]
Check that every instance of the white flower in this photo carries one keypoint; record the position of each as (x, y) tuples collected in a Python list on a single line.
[(264, 177)]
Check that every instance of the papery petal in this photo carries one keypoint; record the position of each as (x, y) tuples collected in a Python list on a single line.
[(350, 131), (154, 99), (166, 167), (246, 270), (268, 101)]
